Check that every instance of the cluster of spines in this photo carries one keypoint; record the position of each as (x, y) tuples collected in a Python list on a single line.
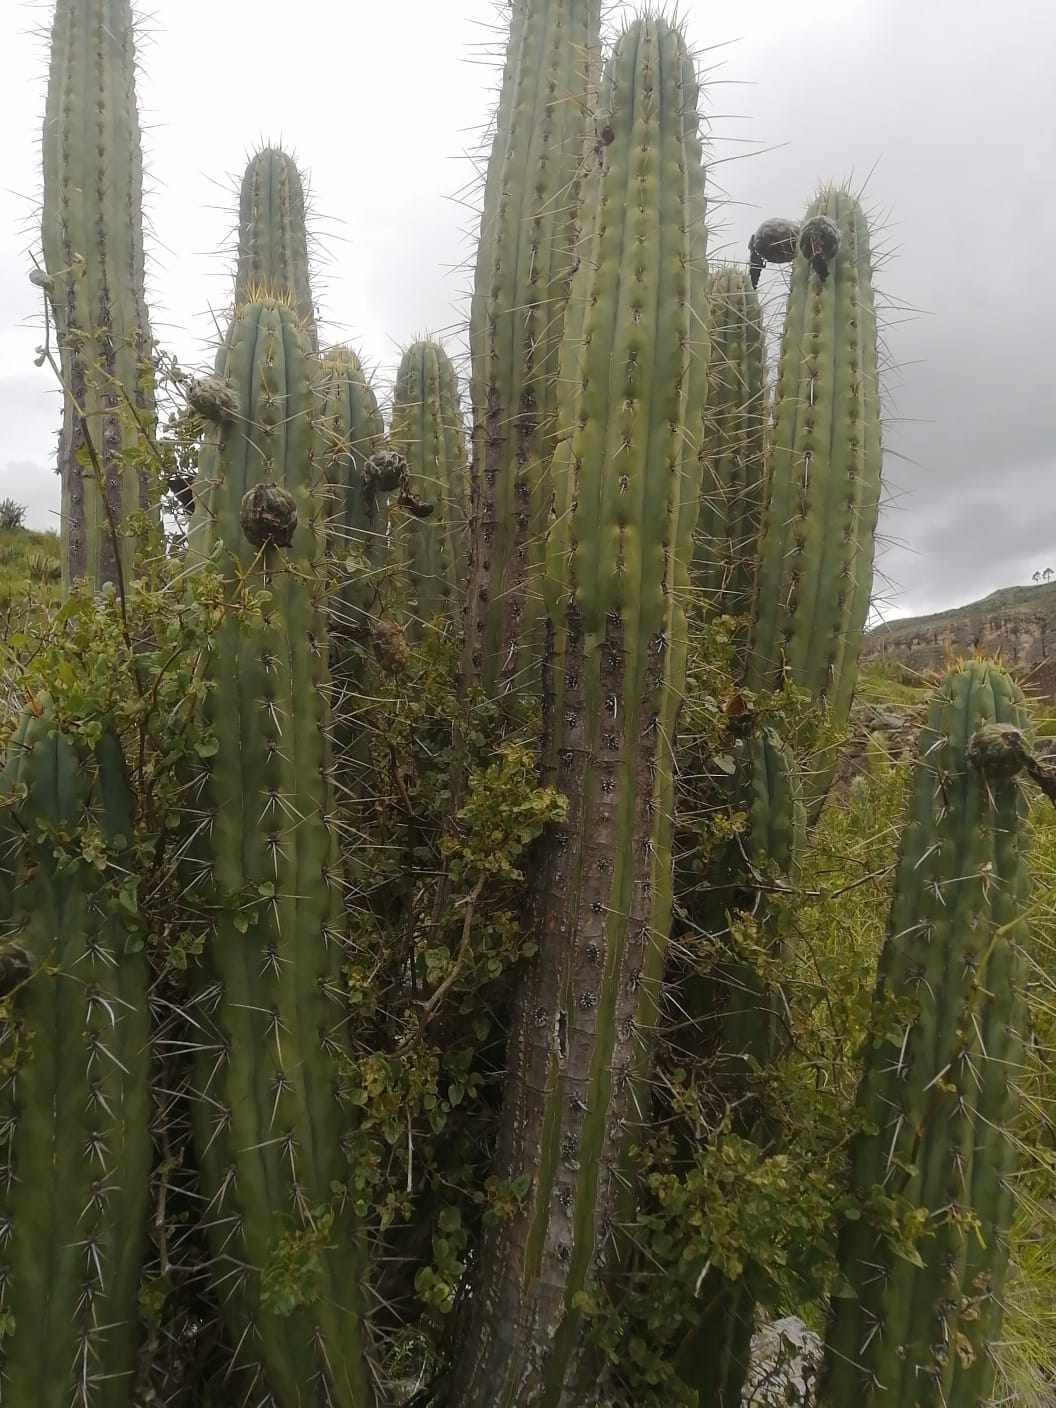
[(426, 428), (527, 254), (273, 236), (941, 1066), (92, 235), (75, 1149), (616, 590), (268, 1010)]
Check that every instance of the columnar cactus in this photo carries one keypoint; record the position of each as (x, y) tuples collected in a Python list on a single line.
[(75, 1148), (273, 236), (732, 447), (939, 1085), (427, 430), (92, 235), (815, 564), (270, 1021), (528, 250), (616, 590)]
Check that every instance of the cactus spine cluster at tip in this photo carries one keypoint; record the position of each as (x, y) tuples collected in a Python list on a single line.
[(75, 1149), (617, 583), (269, 1114), (939, 1083), (92, 233), (273, 236), (528, 250), (426, 429), (732, 445), (815, 564)]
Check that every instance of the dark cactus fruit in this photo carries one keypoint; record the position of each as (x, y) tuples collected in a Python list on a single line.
[(774, 242), (914, 1325), (92, 234), (75, 1148)]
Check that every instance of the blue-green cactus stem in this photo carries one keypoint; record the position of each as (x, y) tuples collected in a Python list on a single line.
[(816, 552), (528, 251), (427, 430), (92, 235), (269, 1115), (616, 590), (75, 1147), (732, 445), (939, 1086), (273, 236)]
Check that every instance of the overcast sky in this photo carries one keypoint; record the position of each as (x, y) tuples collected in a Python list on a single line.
[(940, 103)]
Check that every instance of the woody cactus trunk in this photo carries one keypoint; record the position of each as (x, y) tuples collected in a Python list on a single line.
[(630, 475)]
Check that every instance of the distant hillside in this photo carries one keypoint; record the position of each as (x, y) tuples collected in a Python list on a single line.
[(30, 579), (1015, 624)]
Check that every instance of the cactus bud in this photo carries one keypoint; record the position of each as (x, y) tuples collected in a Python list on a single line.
[(269, 516)]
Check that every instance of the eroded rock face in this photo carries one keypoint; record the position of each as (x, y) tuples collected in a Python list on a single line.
[(1016, 625)]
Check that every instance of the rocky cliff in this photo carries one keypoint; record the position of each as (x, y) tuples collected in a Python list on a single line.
[(1016, 625)]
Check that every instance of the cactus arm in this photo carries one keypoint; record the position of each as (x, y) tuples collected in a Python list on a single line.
[(938, 1084), (273, 236), (529, 231), (75, 1155), (269, 1116), (427, 430), (823, 482), (732, 445), (619, 630), (92, 235)]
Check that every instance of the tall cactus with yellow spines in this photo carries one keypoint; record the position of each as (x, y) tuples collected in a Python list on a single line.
[(815, 558), (426, 428), (616, 588), (942, 1058), (92, 235), (732, 446), (273, 235), (528, 251), (75, 1145), (271, 1023)]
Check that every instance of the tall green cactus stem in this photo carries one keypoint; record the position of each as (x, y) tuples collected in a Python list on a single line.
[(427, 430), (732, 445), (269, 1012), (349, 431), (938, 1090), (92, 235), (75, 1147), (273, 236), (740, 1017), (816, 553), (528, 249), (617, 583)]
